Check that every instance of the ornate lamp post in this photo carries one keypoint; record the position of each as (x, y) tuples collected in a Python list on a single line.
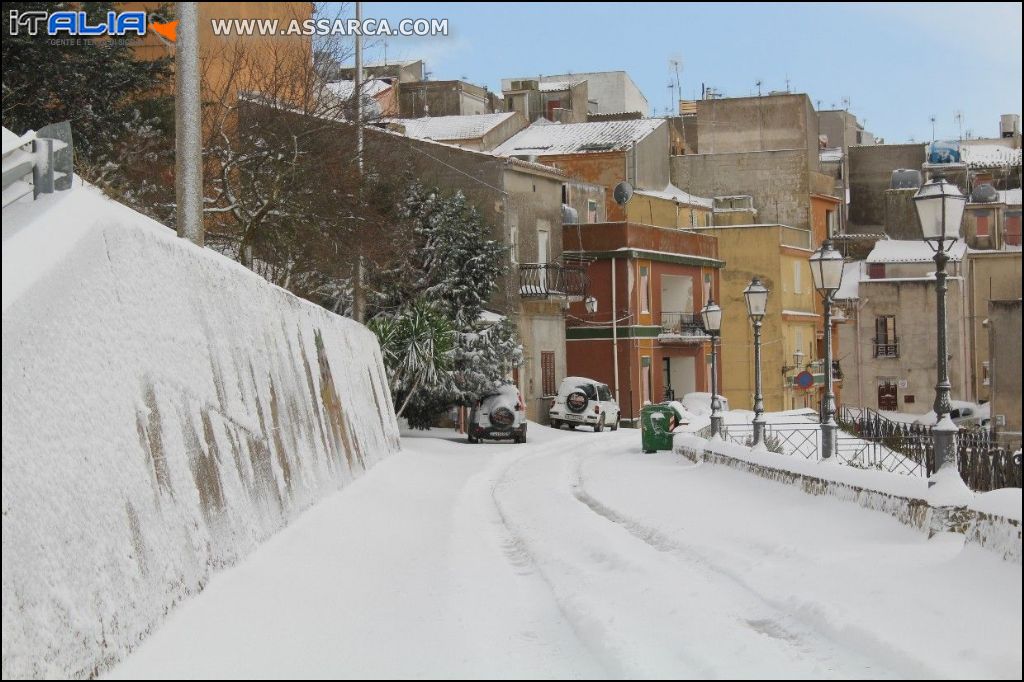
[(827, 273), (756, 295), (711, 314), (591, 304), (940, 208)]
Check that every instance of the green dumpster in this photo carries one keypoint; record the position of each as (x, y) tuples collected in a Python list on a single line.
[(656, 424)]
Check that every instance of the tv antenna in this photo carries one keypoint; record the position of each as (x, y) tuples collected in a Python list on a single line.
[(932, 119), (959, 118), (758, 84)]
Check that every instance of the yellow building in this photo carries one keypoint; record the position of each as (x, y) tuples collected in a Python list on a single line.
[(777, 254), (992, 276), (669, 207)]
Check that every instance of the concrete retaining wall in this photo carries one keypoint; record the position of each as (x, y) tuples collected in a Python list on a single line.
[(995, 533), (165, 411)]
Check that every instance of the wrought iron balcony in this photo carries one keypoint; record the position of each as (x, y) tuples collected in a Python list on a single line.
[(887, 350), (544, 280), (682, 325)]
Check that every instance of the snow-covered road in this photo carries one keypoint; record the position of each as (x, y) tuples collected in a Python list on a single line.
[(577, 556)]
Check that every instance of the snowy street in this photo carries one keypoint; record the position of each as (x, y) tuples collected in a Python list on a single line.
[(576, 555)]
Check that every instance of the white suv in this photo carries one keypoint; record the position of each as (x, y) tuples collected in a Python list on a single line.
[(584, 401), (499, 415)]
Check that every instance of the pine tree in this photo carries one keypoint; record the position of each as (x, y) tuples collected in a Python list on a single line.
[(455, 264)]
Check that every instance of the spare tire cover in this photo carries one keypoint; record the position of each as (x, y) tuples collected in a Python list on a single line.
[(576, 401), (502, 416)]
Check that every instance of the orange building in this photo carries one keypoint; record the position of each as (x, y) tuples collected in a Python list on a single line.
[(233, 62), (650, 284)]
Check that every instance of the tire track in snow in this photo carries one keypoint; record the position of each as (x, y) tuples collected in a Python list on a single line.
[(633, 605), (535, 594), (808, 616)]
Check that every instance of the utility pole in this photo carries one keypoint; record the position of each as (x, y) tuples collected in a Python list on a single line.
[(358, 294), (188, 160)]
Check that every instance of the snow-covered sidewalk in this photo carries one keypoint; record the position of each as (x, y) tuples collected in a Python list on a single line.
[(577, 556)]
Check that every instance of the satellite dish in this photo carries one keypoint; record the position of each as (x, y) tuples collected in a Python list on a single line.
[(622, 193)]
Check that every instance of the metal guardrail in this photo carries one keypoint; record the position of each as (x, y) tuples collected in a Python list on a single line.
[(40, 163), (541, 280)]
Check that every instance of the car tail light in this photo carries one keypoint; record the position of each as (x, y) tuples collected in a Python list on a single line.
[(553, 403), (597, 409)]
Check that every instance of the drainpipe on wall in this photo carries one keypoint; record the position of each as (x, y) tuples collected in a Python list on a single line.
[(615, 338)]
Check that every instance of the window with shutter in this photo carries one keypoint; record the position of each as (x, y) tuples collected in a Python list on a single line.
[(547, 372)]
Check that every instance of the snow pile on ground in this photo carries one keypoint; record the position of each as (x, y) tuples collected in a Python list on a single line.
[(164, 411)]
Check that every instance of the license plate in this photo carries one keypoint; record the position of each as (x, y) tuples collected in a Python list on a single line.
[(574, 417), (499, 434)]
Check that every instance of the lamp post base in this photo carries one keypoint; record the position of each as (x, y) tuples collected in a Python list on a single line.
[(716, 426), (828, 442), (758, 433)]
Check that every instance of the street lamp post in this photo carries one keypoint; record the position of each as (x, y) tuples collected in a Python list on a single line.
[(756, 295), (711, 315), (827, 273), (940, 208)]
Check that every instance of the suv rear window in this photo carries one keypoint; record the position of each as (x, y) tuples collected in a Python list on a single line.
[(603, 393), (588, 390)]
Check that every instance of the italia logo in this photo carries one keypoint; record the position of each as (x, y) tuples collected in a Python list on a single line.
[(72, 23)]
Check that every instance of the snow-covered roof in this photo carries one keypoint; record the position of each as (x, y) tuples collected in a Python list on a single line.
[(344, 89), (673, 193), (986, 155), (452, 127), (831, 154), (575, 138), (910, 251), (849, 287), (1010, 197)]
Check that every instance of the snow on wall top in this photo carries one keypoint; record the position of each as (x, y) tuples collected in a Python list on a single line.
[(1010, 197), (575, 138), (556, 86), (831, 154), (673, 193), (165, 411), (452, 127), (910, 251)]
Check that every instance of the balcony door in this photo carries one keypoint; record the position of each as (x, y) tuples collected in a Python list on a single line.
[(547, 279)]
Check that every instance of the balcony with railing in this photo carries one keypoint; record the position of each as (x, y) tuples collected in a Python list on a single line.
[(884, 349), (553, 280), (680, 327)]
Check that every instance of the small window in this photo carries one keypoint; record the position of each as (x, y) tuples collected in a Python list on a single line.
[(798, 268), (984, 373), (645, 370), (876, 270), (1013, 230), (591, 211), (981, 228), (645, 290)]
